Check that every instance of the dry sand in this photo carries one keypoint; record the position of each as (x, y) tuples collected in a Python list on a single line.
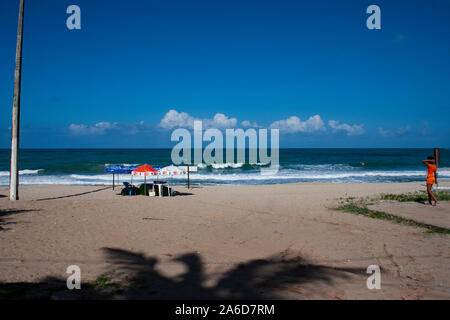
[(435, 215), (272, 241)]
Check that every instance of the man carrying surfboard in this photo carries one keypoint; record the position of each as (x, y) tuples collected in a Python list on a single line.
[(431, 178)]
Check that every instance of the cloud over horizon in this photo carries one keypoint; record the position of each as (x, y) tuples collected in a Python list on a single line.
[(350, 130), (104, 127), (294, 124), (400, 131), (98, 128), (174, 119)]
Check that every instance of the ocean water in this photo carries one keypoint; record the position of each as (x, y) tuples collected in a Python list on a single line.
[(84, 166)]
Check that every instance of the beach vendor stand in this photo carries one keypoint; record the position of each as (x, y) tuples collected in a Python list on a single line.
[(172, 171)]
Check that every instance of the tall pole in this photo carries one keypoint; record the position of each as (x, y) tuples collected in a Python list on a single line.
[(14, 172), (188, 177), (437, 161)]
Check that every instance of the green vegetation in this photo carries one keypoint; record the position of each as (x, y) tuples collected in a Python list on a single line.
[(416, 197), (359, 206), (363, 210), (102, 282)]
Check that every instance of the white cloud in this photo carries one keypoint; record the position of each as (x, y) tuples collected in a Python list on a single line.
[(174, 119), (221, 121), (403, 130), (294, 124), (98, 128), (78, 128), (247, 123), (398, 132), (351, 130), (135, 128), (383, 132), (104, 126)]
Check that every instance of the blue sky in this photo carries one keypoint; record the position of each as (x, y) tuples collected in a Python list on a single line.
[(138, 69)]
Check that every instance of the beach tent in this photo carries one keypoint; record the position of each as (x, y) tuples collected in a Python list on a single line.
[(118, 169), (144, 170), (157, 168), (171, 171)]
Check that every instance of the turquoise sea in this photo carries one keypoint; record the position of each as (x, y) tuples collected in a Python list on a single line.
[(84, 166)]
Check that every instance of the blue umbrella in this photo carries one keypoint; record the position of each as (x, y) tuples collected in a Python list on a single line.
[(119, 168)]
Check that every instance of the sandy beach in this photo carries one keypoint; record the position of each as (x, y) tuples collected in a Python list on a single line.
[(272, 241)]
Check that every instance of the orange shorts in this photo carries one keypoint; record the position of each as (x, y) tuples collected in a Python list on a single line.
[(431, 180)]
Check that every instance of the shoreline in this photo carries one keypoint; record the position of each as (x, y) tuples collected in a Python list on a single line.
[(402, 187), (229, 184)]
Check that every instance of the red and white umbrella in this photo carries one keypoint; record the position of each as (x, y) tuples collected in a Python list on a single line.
[(144, 170), (171, 171)]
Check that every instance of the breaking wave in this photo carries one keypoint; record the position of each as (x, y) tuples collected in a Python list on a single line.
[(231, 177), (21, 172)]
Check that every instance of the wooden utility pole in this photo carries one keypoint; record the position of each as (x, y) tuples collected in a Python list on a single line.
[(189, 185), (437, 161), (14, 172)]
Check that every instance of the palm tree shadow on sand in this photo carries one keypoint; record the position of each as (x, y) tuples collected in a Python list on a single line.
[(135, 276), (5, 213)]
